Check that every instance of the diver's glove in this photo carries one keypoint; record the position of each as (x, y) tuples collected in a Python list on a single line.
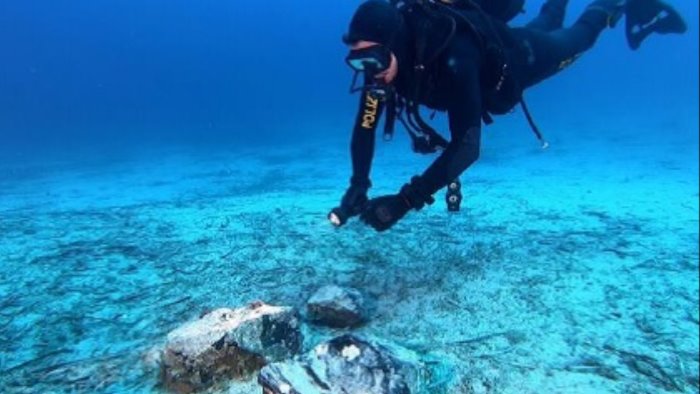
[(352, 203), (383, 212)]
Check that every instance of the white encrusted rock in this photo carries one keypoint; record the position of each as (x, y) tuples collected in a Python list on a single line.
[(337, 307), (228, 343), (352, 365)]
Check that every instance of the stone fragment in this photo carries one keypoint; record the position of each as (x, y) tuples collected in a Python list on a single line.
[(228, 343), (337, 307)]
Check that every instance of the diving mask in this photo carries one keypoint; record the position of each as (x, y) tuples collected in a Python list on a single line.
[(376, 59), (371, 61)]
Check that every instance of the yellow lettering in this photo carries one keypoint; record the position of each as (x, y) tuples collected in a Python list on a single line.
[(372, 102), (370, 116)]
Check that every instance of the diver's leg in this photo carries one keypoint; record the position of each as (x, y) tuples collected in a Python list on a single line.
[(644, 17), (551, 16), (551, 52), (602, 14)]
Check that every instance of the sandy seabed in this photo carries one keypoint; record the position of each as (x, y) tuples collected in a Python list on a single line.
[(569, 271)]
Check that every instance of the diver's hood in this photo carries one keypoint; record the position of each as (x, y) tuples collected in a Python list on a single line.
[(379, 21)]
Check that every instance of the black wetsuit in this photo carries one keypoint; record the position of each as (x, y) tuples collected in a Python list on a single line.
[(534, 53)]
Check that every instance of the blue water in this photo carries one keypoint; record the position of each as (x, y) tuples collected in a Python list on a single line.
[(159, 158)]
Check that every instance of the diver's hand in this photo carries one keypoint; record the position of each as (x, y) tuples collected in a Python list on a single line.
[(352, 204), (383, 212)]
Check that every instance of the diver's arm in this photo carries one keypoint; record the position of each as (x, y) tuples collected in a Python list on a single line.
[(362, 152), (465, 129), (462, 151), (465, 120), (363, 139)]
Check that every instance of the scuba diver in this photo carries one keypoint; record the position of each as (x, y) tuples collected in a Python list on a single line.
[(460, 57)]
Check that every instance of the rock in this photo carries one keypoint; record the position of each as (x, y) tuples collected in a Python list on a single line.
[(152, 358), (353, 365), (337, 307), (228, 343)]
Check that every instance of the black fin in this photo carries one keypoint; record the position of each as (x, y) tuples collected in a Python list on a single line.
[(645, 17)]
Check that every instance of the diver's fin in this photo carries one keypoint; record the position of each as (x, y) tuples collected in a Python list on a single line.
[(645, 17)]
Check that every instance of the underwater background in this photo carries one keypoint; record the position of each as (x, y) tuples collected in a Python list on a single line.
[(162, 158)]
